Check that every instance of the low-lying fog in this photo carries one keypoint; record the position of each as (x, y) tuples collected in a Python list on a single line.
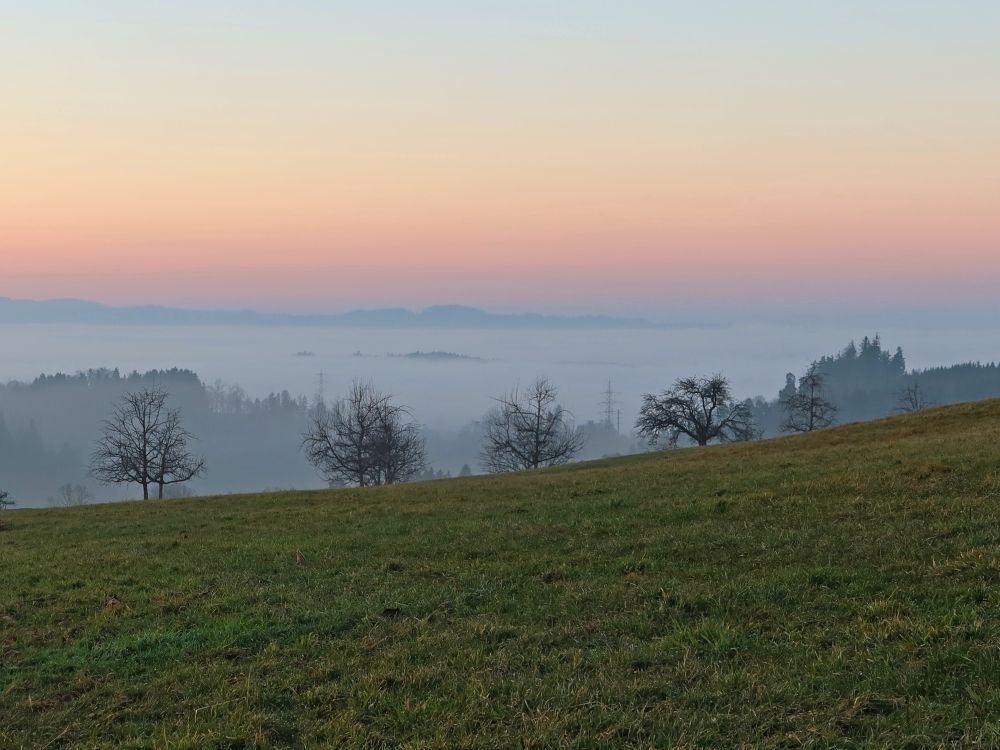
[(450, 392), (445, 393)]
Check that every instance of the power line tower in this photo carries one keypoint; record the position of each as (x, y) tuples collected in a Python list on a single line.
[(320, 389), (612, 415)]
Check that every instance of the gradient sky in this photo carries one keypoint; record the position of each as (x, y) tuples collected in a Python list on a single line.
[(561, 154)]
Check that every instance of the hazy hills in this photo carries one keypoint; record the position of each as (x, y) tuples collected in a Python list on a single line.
[(439, 316)]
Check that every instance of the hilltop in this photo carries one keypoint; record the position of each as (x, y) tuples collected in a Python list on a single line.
[(24, 311), (833, 589)]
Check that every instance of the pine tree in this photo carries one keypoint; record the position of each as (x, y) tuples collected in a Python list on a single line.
[(899, 361)]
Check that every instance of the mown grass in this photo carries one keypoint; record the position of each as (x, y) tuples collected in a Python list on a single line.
[(832, 590)]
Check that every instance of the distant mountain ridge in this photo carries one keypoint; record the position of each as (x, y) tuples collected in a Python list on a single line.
[(438, 316)]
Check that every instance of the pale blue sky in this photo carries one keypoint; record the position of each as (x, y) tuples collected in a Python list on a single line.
[(456, 140)]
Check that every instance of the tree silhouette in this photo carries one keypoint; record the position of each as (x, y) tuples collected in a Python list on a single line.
[(144, 443), (806, 409), (699, 408), (72, 494), (528, 429), (364, 439), (912, 398)]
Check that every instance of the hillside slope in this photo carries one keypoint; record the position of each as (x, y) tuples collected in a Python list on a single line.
[(836, 589)]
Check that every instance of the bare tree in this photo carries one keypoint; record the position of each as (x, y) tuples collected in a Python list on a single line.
[(364, 439), (528, 429), (5, 502), (701, 409), (806, 409), (175, 463), (177, 492), (912, 398), (398, 447), (72, 494), (143, 443)]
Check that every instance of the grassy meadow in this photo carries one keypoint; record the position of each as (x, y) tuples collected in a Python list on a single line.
[(838, 589)]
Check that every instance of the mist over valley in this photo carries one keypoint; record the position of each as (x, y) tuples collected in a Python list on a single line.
[(448, 376)]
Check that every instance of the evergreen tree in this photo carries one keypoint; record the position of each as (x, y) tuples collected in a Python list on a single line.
[(790, 388), (899, 361), (807, 410)]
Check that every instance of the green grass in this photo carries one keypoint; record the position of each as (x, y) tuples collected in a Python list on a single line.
[(831, 590)]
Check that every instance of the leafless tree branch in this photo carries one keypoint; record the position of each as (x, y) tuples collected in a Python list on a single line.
[(806, 410), (912, 398), (364, 439), (700, 409), (529, 429), (144, 443)]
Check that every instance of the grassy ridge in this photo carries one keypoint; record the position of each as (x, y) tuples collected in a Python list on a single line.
[(836, 589)]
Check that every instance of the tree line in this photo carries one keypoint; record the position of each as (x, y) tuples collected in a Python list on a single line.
[(366, 438), (48, 429)]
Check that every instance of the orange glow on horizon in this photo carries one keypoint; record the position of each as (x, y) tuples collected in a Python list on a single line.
[(422, 166)]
